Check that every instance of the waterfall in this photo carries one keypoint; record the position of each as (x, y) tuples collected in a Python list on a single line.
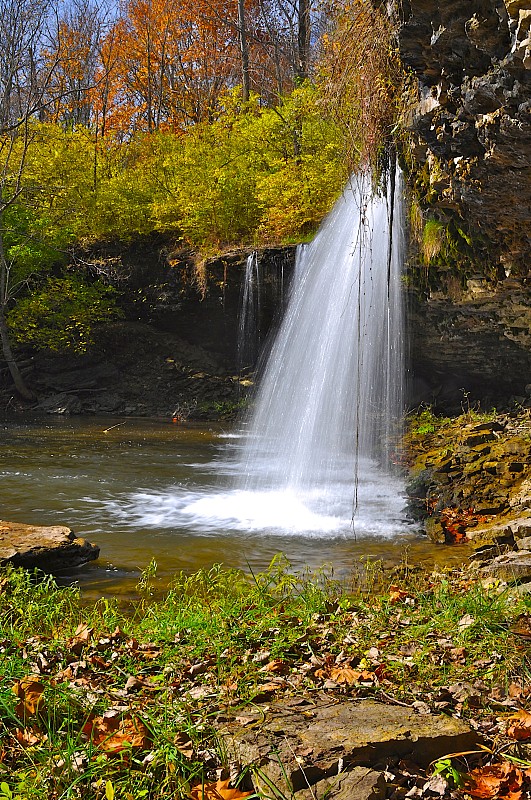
[(313, 459), (331, 393), (249, 334)]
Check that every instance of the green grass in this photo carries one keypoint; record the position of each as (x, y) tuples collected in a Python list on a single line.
[(167, 669)]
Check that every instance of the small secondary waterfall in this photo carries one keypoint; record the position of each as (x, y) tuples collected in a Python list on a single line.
[(331, 393), (249, 333)]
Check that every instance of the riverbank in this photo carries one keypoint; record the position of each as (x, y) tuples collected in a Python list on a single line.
[(256, 683), (470, 483)]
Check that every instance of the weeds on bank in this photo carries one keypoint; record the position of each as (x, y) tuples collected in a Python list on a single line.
[(95, 703)]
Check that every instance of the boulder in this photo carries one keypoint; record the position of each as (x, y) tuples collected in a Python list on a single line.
[(49, 548), (513, 567), (61, 403), (300, 745), (357, 784)]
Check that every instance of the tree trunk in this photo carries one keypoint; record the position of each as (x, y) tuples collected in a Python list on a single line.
[(18, 380), (246, 84), (303, 40)]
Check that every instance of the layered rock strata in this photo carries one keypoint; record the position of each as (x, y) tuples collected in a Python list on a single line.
[(468, 158)]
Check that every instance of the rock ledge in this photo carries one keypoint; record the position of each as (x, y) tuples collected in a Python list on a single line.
[(49, 548)]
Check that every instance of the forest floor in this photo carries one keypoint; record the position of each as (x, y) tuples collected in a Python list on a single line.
[(234, 686)]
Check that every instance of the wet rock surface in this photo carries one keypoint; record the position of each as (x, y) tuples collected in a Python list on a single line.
[(469, 166), (342, 749), (49, 548), (476, 346)]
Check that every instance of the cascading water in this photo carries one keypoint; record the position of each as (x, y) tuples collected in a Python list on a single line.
[(331, 394), (332, 388), (313, 459)]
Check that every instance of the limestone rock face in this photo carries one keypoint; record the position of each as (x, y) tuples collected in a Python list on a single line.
[(50, 548), (472, 123), (469, 160), (477, 344)]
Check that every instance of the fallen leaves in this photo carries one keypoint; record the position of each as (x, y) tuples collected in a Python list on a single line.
[(29, 737), (220, 790), (522, 626), (113, 733), (81, 638), (503, 780), (519, 727), (30, 693), (398, 595), (184, 744), (351, 676)]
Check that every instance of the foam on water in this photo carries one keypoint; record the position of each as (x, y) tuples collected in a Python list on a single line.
[(211, 510)]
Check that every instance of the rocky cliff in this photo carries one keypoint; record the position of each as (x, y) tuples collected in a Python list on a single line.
[(468, 159)]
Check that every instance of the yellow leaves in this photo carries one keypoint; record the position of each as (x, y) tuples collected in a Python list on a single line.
[(220, 790)]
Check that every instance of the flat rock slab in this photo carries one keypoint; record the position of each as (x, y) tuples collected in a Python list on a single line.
[(359, 783), (48, 548), (296, 747), (511, 567)]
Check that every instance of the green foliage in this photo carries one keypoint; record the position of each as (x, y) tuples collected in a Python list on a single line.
[(254, 174), (60, 315), (450, 773), (433, 238), (425, 422), (262, 175), (32, 241)]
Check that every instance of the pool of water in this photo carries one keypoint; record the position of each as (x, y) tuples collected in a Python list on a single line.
[(147, 490)]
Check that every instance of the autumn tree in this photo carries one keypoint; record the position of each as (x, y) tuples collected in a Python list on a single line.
[(33, 221), (74, 51), (172, 64), (282, 50), (361, 79)]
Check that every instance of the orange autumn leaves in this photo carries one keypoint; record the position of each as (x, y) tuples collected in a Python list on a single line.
[(30, 697), (158, 65), (111, 733), (220, 790), (505, 781), (519, 726)]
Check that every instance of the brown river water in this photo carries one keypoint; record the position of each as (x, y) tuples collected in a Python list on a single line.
[(148, 490)]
